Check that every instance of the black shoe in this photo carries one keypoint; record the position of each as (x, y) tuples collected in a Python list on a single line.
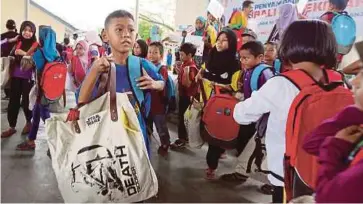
[(178, 144)]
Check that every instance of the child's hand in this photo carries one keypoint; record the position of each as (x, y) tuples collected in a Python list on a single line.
[(102, 64), (146, 82), (20, 52), (11, 40), (238, 96), (350, 134)]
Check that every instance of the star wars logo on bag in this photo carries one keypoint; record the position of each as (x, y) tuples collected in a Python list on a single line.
[(93, 119), (108, 172)]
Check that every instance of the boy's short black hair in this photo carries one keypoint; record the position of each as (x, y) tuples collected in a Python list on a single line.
[(66, 41), (159, 46), (271, 43), (184, 31), (246, 4), (318, 45), (339, 4), (254, 47), (10, 24), (188, 48), (118, 14)]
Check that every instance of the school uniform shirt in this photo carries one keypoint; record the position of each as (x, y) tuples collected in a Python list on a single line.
[(158, 98), (275, 97), (247, 90), (193, 71)]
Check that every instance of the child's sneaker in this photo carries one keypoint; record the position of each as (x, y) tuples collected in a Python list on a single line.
[(210, 174), (163, 150), (178, 144), (26, 146)]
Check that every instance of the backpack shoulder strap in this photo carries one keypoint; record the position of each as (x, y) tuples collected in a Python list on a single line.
[(256, 75), (134, 66), (299, 78), (334, 76), (277, 66)]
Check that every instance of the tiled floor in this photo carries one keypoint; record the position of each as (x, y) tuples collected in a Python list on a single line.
[(28, 177)]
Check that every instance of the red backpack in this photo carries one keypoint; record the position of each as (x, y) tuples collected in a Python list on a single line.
[(219, 124), (53, 80), (314, 104)]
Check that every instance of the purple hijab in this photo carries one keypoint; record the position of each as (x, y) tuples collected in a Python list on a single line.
[(287, 15)]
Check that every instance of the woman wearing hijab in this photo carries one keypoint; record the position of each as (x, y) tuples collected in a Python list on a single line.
[(45, 54), (21, 79), (140, 49), (287, 14)]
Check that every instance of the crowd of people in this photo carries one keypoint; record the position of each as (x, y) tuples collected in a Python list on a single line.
[(299, 54)]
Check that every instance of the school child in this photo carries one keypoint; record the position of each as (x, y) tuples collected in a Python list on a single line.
[(47, 41), (187, 88), (346, 31), (158, 105), (121, 35), (270, 53), (339, 180), (140, 49), (96, 49), (169, 60), (303, 52), (203, 29), (252, 54), (67, 53), (21, 80), (80, 63)]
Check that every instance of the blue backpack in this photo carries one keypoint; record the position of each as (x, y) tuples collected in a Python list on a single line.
[(344, 29), (256, 75), (134, 69), (170, 92), (277, 66)]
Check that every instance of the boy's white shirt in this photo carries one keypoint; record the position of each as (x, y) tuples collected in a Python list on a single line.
[(276, 97)]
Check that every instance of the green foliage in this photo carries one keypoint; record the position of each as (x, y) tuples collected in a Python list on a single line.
[(145, 28)]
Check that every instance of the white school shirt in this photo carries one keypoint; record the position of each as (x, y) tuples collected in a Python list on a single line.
[(276, 97)]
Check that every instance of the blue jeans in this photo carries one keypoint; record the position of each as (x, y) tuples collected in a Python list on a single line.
[(39, 111), (161, 127)]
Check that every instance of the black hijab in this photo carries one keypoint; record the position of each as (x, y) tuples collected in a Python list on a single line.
[(222, 65), (26, 44), (144, 48)]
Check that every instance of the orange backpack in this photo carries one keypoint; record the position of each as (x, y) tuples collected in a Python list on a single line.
[(53, 80), (219, 124), (314, 104)]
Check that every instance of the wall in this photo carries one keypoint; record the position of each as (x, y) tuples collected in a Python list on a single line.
[(188, 10), (36, 15), (12, 9), (39, 17)]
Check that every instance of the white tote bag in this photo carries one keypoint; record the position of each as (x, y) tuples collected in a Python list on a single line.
[(102, 157), (5, 70), (192, 117)]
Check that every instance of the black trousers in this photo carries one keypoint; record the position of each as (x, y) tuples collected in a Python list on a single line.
[(246, 132), (184, 103), (20, 89)]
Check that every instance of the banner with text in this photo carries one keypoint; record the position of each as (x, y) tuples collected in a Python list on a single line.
[(265, 13)]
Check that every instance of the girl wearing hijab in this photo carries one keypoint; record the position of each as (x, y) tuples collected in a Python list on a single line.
[(221, 66), (80, 64), (287, 14), (203, 29), (45, 54), (21, 79), (140, 49)]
